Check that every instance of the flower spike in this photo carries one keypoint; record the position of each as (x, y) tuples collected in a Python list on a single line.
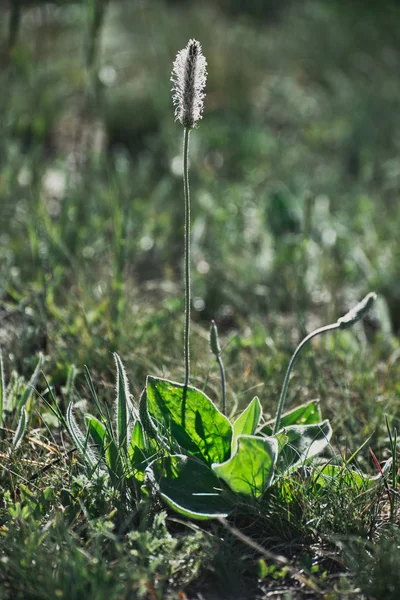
[(189, 76)]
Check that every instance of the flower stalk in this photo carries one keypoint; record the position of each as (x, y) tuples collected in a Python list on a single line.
[(349, 319), (187, 253), (189, 77)]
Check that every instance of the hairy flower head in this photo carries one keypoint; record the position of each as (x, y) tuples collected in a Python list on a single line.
[(189, 76)]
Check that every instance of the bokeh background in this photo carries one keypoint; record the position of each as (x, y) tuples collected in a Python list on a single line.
[(295, 176)]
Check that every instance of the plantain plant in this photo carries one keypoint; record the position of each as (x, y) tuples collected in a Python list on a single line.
[(202, 465), (174, 441)]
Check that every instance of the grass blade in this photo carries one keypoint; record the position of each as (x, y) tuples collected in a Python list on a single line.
[(21, 428), (79, 439), (52, 405), (93, 393)]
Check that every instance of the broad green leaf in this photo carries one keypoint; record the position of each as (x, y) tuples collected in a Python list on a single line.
[(251, 469), (198, 426), (303, 442), (137, 438), (123, 404), (190, 487), (248, 421), (305, 414), (20, 431)]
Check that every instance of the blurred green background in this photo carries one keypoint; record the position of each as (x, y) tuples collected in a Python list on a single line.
[(295, 174)]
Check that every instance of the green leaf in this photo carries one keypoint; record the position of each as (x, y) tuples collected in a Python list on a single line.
[(107, 445), (303, 442), (97, 431), (202, 430), (137, 438), (305, 414), (138, 453), (251, 469), (248, 421), (123, 404), (190, 487), (340, 475), (20, 431), (79, 439), (148, 428), (113, 458)]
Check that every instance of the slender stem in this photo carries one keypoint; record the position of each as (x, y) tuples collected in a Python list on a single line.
[(187, 269), (290, 367), (223, 382), (187, 251), (14, 24)]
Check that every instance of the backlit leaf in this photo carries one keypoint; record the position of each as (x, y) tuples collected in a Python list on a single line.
[(251, 468), (196, 425), (190, 487)]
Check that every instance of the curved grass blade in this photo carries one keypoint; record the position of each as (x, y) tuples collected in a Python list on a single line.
[(21, 428), (52, 405), (80, 440), (93, 393)]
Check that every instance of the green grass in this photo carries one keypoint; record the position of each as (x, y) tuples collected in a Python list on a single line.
[(294, 184)]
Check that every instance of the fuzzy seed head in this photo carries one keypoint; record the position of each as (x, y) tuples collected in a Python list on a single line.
[(357, 312), (189, 76)]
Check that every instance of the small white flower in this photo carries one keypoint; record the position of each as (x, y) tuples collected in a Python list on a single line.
[(189, 76)]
